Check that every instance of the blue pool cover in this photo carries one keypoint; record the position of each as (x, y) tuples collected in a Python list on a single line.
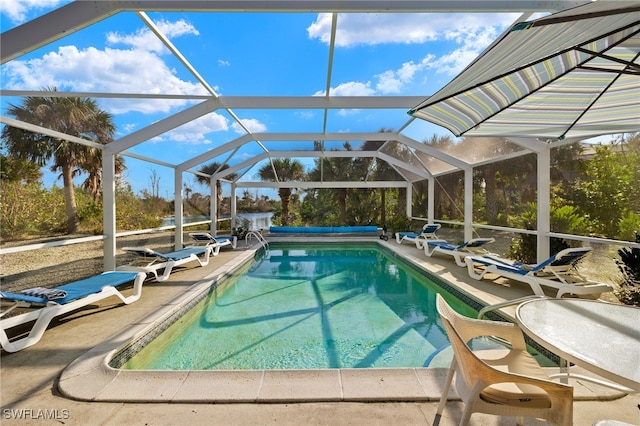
[(321, 229)]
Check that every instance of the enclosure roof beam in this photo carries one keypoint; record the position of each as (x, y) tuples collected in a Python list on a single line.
[(160, 127), (53, 133), (319, 185)]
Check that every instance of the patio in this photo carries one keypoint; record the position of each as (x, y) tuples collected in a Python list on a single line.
[(28, 387), (29, 378)]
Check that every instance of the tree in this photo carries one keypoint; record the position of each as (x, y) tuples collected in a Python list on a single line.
[(93, 166), (608, 191), (383, 170), (282, 170), (210, 169), (448, 186), (17, 170), (74, 116)]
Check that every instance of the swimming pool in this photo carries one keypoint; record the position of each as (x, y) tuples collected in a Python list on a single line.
[(309, 307), (97, 374)]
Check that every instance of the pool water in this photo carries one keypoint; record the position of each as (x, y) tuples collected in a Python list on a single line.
[(310, 307)]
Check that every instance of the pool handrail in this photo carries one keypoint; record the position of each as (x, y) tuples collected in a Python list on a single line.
[(261, 239)]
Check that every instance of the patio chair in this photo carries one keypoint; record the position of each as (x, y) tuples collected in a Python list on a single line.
[(557, 272), (150, 261), (504, 382), (208, 240), (458, 251), (46, 304), (428, 231)]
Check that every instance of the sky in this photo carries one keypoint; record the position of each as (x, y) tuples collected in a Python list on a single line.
[(243, 54)]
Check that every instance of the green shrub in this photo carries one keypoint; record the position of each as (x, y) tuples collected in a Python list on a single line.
[(565, 219), (401, 224), (629, 226), (134, 213), (629, 265), (27, 210)]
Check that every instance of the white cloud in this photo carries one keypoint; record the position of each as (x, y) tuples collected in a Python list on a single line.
[(472, 43), (472, 33), (351, 88), (108, 70), (255, 126), (305, 115), (137, 68), (381, 28), (145, 40), (18, 10), (130, 63), (195, 132), (348, 112)]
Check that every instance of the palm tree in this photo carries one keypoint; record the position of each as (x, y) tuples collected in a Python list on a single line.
[(210, 169), (93, 166), (282, 170), (384, 171), (74, 116), (340, 169)]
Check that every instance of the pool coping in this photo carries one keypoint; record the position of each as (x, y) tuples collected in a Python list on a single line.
[(91, 378)]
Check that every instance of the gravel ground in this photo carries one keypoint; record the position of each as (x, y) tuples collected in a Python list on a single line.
[(50, 267)]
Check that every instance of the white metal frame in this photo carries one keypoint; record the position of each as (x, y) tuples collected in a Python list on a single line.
[(80, 14)]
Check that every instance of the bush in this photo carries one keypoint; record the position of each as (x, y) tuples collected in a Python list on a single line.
[(565, 219), (27, 210), (629, 226), (89, 212), (133, 213), (401, 224), (629, 265), (241, 229)]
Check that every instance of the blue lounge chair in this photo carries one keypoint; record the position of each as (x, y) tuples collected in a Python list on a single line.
[(474, 246), (558, 272), (72, 296), (150, 261), (208, 240), (428, 231)]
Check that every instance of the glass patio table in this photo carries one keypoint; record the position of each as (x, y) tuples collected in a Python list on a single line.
[(601, 337)]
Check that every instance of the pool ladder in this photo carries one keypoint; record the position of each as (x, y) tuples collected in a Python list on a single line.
[(263, 242)]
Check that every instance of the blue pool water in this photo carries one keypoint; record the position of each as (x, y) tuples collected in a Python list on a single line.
[(307, 307)]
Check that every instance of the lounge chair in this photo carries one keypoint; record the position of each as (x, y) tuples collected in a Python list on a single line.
[(47, 304), (557, 272), (206, 239), (150, 261), (504, 382), (428, 231), (474, 246)]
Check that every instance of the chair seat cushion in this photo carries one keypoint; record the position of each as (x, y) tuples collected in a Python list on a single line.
[(518, 395)]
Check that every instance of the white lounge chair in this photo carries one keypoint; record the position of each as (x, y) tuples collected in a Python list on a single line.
[(44, 305), (474, 246), (150, 261), (428, 231), (558, 272), (206, 239), (504, 382)]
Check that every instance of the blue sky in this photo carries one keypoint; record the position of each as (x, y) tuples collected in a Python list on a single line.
[(241, 54)]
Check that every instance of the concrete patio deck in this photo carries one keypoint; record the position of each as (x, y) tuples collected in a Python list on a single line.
[(29, 379)]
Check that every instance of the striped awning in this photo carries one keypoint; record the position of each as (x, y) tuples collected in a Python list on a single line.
[(571, 74)]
